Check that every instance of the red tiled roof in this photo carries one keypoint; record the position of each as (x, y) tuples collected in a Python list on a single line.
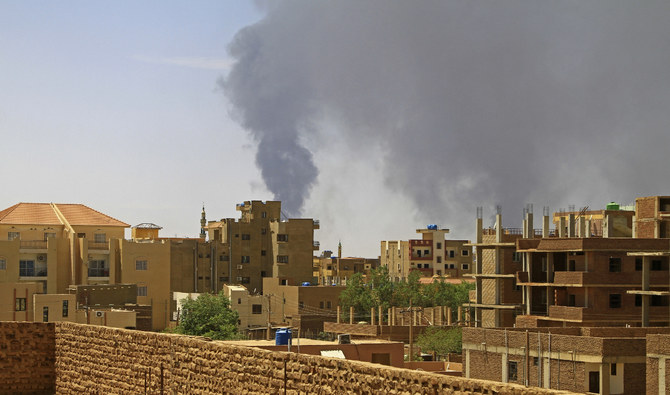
[(44, 214)]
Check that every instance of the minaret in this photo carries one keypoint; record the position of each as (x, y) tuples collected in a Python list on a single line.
[(339, 249), (203, 223)]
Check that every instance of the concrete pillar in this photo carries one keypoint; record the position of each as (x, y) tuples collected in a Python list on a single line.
[(561, 227), (499, 228), (388, 318), (449, 316), (633, 228), (604, 378), (432, 316), (587, 226), (571, 225), (339, 312), (460, 315), (530, 232), (372, 315), (393, 316), (607, 226), (545, 226), (351, 314), (381, 316), (646, 267), (581, 227)]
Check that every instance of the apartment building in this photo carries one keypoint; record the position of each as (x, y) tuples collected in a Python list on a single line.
[(329, 269), (261, 244), (432, 255)]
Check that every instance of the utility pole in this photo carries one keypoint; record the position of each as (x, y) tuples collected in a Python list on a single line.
[(411, 310), (269, 324)]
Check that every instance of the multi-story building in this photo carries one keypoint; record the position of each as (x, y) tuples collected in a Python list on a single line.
[(260, 244), (431, 255), (331, 269), (497, 298)]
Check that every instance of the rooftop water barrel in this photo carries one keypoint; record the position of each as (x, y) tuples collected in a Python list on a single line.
[(283, 337), (612, 206), (306, 284), (432, 227)]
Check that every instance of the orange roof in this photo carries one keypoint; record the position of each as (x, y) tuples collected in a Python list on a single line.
[(44, 214)]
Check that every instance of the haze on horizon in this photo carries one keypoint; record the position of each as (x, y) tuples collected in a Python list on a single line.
[(375, 117)]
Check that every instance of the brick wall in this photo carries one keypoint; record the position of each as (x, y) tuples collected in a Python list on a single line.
[(27, 358), (108, 360), (645, 207)]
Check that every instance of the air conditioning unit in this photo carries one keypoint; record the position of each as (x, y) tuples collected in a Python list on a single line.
[(99, 314), (239, 278), (41, 257), (240, 267), (344, 339)]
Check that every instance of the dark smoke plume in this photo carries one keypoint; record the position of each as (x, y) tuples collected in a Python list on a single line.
[(472, 102)]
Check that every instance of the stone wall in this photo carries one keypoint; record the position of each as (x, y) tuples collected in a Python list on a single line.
[(27, 358), (107, 360)]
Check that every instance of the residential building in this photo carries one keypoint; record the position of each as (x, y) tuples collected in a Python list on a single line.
[(331, 269), (261, 244), (431, 255)]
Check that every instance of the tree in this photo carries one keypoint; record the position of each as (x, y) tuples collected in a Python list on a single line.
[(208, 315), (356, 295), (441, 341)]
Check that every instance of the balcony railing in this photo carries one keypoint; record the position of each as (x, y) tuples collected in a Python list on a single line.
[(98, 246), (98, 272), (426, 272), (316, 223), (34, 244)]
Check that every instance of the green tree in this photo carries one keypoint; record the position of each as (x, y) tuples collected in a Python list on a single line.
[(208, 315), (357, 295), (441, 341), (381, 288)]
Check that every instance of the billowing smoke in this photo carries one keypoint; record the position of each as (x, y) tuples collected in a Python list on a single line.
[(469, 102)]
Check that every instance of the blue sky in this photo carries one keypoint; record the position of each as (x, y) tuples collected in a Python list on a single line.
[(115, 105)]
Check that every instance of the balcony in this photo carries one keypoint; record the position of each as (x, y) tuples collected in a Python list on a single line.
[(316, 224), (33, 245), (98, 246), (98, 272), (316, 245), (567, 312)]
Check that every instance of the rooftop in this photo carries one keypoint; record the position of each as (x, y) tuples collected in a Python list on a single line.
[(45, 214)]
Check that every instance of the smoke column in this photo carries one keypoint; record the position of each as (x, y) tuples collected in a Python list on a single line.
[(469, 102)]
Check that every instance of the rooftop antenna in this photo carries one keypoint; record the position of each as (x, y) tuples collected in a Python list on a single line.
[(545, 211), (480, 212), (498, 209)]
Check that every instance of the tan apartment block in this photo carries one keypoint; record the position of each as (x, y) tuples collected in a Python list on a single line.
[(594, 360), (16, 300), (336, 270), (251, 309), (260, 244), (432, 255)]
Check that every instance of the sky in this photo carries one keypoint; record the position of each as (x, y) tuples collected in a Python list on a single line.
[(376, 117)]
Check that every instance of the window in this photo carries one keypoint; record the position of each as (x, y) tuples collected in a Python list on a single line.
[(256, 309), (239, 300), (465, 266), (656, 265), (511, 371), (66, 309), (301, 305), (49, 234), (426, 252), (615, 265), (221, 258), (571, 265), (81, 235), (263, 252), (225, 258), (544, 265), (264, 273), (321, 304), (452, 253), (141, 264), (438, 246), (439, 259), (246, 259), (264, 231), (282, 258), (246, 236), (20, 304), (516, 256), (452, 266), (13, 235), (3, 264), (329, 304), (465, 252), (26, 268), (264, 214), (246, 280), (615, 301), (224, 279), (98, 268), (571, 300), (613, 369), (638, 300), (141, 290), (658, 300), (638, 264), (282, 237), (536, 361), (45, 314), (99, 238)]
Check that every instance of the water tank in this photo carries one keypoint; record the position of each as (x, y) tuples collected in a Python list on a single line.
[(432, 227), (283, 337), (306, 284), (612, 206)]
